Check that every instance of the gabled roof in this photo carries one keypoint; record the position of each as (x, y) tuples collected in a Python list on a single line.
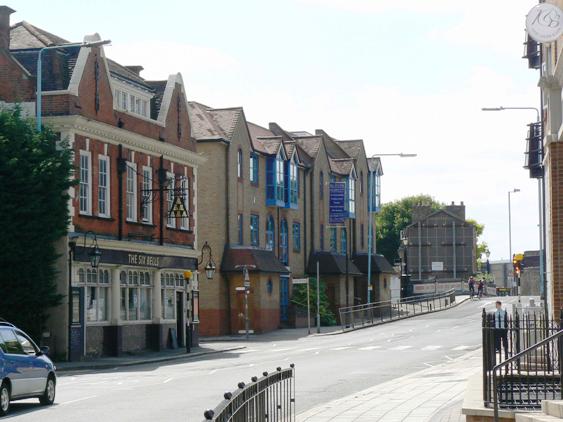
[(311, 144), (341, 166), (374, 165), (441, 211), (24, 35), (213, 123), (354, 148)]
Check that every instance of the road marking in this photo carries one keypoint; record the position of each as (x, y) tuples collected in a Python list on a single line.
[(77, 400), (242, 351), (448, 358), (341, 348), (212, 372), (370, 348), (282, 349), (427, 364), (166, 381), (464, 347), (401, 348), (310, 349), (431, 347)]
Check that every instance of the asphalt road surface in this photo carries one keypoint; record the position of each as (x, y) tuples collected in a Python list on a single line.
[(327, 367)]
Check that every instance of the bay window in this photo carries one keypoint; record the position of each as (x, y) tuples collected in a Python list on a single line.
[(136, 293), (97, 285)]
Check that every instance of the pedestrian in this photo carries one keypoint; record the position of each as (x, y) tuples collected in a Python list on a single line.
[(501, 329), (480, 288), (471, 286)]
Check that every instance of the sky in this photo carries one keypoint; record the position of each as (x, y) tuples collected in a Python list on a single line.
[(406, 76)]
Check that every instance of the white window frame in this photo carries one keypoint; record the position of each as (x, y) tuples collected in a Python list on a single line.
[(147, 204), (170, 221), (87, 194), (185, 186), (107, 195), (131, 208)]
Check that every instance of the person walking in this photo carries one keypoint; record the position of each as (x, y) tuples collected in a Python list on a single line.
[(501, 329), (471, 287), (480, 288)]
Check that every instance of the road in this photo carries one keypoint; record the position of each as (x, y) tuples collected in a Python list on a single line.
[(327, 367)]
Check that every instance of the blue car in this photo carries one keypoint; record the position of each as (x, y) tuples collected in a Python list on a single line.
[(25, 369)]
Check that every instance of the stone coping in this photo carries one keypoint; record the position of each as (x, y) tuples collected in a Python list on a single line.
[(473, 401)]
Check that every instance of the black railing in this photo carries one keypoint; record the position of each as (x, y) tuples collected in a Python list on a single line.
[(368, 314), (521, 361), (270, 398)]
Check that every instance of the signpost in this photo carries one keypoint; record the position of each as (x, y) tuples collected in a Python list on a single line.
[(337, 203), (306, 281), (544, 23)]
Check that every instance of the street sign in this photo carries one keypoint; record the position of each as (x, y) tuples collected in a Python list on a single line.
[(544, 22), (437, 266), (300, 280), (337, 203), (240, 289)]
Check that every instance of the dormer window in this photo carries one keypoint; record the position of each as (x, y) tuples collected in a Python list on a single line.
[(131, 98), (293, 185)]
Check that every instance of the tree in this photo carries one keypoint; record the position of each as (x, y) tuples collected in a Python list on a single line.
[(299, 299), (35, 175), (394, 217)]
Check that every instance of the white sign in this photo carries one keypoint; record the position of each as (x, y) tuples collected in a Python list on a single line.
[(544, 23), (300, 280), (437, 266)]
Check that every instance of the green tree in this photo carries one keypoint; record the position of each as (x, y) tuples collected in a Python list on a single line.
[(394, 217), (482, 246), (35, 174), (299, 299)]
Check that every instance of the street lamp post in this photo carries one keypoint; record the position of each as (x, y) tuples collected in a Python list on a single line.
[(541, 205), (371, 192), (40, 71)]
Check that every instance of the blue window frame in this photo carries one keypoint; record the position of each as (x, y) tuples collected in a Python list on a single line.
[(351, 196), (284, 255), (293, 184), (270, 233), (254, 230), (253, 168), (343, 240), (240, 229), (333, 240), (296, 237), (275, 181), (374, 184), (322, 237)]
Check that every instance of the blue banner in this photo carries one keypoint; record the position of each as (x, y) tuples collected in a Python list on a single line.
[(337, 203)]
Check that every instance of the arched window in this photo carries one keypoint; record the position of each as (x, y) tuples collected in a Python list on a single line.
[(284, 243), (322, 185), (270, 233)]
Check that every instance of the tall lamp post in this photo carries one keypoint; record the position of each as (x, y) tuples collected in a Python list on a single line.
[(371, 211), (246, 277), (40, 71)]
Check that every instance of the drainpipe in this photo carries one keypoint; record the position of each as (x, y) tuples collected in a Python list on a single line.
[(161, 182), (228, 193), (121, 167), (304, 220)]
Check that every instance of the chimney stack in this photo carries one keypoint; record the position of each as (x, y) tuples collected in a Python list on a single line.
[(5, 13), (135, 69)]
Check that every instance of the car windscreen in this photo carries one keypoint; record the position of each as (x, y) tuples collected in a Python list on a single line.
[(26, 343), (11, 342)]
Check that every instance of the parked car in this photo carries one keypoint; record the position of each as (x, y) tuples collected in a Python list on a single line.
[(25, 369)]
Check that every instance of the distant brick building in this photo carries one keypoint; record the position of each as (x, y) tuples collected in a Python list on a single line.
[(133, 154), (440, 247)]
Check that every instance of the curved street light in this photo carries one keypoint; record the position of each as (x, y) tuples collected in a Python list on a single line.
[(210, 267)]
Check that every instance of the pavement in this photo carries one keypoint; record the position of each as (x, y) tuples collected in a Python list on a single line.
[(142, 358), (328, 367), (434, 395)]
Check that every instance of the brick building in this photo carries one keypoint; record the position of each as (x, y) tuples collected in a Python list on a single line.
[(544, 159), (134, 157), (440, 246), (266, 192)]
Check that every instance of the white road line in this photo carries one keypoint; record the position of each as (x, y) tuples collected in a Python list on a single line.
[(431, 347), (341, 348), (282, 349), (212, 372), (310, 349), (427, 364), (464, 347), (77, 400), (242, 351), (448, 358), (166, 381), (370, 348), (401, 348)]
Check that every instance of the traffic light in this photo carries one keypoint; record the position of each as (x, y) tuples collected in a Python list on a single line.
[(517, 264)]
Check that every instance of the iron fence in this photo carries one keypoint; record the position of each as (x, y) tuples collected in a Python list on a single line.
[(368, 314), (270, 398), (521, 361)]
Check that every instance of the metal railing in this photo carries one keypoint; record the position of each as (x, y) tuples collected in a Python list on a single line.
[(368, 314), (521, 361), (270, 398)]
